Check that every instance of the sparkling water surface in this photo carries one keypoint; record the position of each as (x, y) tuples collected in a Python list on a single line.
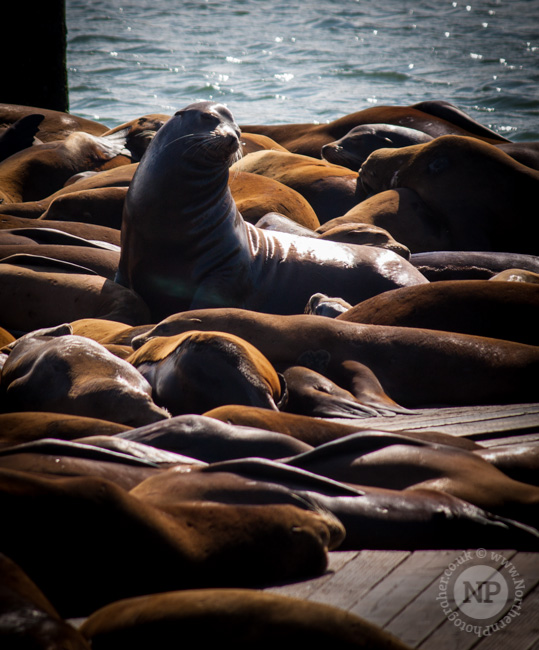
[(285, 61)]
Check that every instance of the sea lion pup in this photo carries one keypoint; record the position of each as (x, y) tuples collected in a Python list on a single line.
[(185, 245), (400, 212), (251, 618), (81, 378), (473, 370), (56, 125), (355, 147), (470, 187), (201, 544), (19, 135), (310, 393), (196, 371), (308, 139), (470, 265), (373, 517), (25, 426), (501, 310), (331, 190), (210, 440), (256, 195), (47, 283), (38, 171), (28, 618)]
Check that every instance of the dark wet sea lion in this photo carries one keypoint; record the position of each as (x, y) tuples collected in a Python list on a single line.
[(81, 376), (308, 139), (476, 370), (210, 440), (92, 560), (520, 460), (501, 310), (196, 371), (470, 265), (354, 148), (19, 135), (185, 245), (252, 618), (28, 618), (471, 188)]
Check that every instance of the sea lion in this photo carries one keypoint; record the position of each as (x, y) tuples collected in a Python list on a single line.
[(470, 187), (520, 461), (526, 153), (107, 332), (196, 371), (81, 376), (209, 440), (19, 135), (321, 305), (28, 619), (56, 125), (102, 206), (470, 265), (138, 133), (354, 148), (399, 212), (185, 245), (256, 195), (516, 275), (479, 307), (331, 190), (256, 142), (489, 371), (201, 545), (38, 171), (252, 618), (45, 286), (308, 139), (19, 427)]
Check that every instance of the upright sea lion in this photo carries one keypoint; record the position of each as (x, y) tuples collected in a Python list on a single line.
[(196, 371), (471, 188), (308, 139), (185, 245), (472, 369), (252, 618), (81, 376)]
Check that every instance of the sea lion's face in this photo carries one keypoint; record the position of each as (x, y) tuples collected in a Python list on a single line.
[(209, 130)]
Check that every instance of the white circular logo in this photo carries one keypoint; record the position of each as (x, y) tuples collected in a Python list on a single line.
[(480, 592)]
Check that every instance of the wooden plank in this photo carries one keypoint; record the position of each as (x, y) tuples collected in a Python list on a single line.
[(391, 596), (449, 636)]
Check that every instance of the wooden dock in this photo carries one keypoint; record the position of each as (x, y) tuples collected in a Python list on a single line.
[(400, 590)]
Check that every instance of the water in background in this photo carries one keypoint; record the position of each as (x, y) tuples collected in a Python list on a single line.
[(311, 61)]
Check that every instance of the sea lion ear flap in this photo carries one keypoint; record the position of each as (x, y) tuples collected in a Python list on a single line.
[(284, 392), (179, 113)]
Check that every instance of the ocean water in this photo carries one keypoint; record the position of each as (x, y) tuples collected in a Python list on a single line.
[(284, 61)]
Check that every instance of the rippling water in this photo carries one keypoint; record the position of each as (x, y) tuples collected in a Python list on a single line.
[(310, 61)]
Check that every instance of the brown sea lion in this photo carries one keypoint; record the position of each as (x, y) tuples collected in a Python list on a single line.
[(308, 139), (354, 148), (469, 186), (209, 440), (331, 190), (28, 619), (516, 275), (520, 461), (256, 142), (252, 618), (197, 371), (255, 195), (56, 125), (476, 370), (400, 212), (185, 245), (81, 376), (470, 265), (88, 557), (139, 132), (107, 331), (89, 231), (500, 310), (19, 427), (526, 153), (38, 171), (102, 206)]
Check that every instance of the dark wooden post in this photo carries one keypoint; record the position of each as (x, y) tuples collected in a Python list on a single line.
[(33, 47)]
